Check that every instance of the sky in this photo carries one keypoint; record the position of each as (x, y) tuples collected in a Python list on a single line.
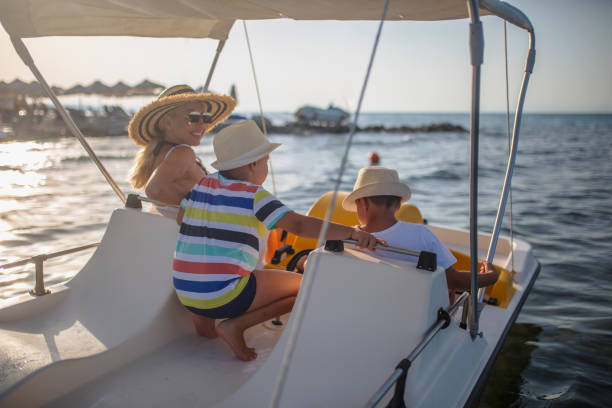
[(419, 66)]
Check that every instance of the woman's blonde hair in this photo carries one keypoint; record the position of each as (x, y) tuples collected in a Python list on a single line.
[(143, 166), (145, 158)]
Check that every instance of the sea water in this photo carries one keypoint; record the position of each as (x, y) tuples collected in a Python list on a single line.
[(558, 354)]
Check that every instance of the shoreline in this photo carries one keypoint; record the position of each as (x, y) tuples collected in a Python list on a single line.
[(46, 132)]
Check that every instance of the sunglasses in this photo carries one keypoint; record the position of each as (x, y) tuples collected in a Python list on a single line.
[(194, 117)]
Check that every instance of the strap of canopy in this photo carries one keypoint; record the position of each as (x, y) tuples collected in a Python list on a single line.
[(261, 112), (213, 66)]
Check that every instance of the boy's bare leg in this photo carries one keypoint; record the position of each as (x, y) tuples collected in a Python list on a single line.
[(275, 295), (204, 326), (232, 330)]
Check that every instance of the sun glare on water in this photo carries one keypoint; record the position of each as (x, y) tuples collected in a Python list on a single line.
[(20, 163)]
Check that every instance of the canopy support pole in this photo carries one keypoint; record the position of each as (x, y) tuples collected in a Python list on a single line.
[(307, 283), (213, 65), (530, 61), (25, 56), (476, 58)]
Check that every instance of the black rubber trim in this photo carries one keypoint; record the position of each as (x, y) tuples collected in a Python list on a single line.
[(133, 201), (443, 315), (400, 386)]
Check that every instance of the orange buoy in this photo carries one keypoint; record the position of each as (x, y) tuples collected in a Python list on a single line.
[(374, 158)]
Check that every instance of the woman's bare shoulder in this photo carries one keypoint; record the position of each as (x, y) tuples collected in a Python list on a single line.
[(180, 155), (181, 151)]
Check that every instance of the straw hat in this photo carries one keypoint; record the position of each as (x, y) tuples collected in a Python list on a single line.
[(240, 144), (144, 126), (376, 181)]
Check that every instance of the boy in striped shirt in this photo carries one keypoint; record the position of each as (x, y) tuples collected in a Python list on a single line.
[(224, 221)]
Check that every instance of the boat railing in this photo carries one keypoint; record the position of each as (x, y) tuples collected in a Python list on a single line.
[(135, 200), (38, 261), (398, 377), (426, 260)]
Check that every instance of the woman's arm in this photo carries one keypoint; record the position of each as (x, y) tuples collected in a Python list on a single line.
[(310, 227)]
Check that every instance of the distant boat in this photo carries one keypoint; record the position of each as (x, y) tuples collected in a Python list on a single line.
[(311, 115), (233, 119)]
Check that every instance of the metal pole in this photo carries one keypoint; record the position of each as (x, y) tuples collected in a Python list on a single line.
[(39, 286), (384, 389), (476, 54), (27, 59), (213, 65), (38, 260), (513, 151), (390, 248), (511, 160), (305, 290)]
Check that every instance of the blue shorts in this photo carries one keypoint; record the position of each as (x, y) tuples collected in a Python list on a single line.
[(235, 308)]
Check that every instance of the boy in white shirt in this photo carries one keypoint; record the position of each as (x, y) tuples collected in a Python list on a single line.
[(376, 197)]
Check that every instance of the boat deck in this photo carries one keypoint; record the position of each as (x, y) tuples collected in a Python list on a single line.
[(181, 373)]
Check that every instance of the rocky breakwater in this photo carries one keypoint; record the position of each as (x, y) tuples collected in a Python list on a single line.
[(298, 128)]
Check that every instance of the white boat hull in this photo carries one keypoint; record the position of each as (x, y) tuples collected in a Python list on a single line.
[(116, 335)]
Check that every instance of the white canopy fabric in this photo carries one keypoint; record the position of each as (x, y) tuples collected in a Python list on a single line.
[(198, 18)]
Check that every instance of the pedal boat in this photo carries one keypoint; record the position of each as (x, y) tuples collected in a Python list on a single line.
[(368, 331)]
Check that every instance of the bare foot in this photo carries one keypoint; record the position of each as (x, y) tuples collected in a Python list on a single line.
[(234, 338), (204, 326)]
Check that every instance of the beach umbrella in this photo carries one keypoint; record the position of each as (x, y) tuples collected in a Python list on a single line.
[(77, 89), (98, 88), (146, 87), (58, 90), (120, 89), (34, 90), (4, 88), (18, 87)]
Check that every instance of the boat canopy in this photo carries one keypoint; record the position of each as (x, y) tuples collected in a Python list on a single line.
[(201, 18)]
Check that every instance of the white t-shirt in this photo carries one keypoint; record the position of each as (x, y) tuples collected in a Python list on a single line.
[(416, 237)]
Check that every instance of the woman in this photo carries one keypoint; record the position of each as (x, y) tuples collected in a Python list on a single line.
[(167, 128)]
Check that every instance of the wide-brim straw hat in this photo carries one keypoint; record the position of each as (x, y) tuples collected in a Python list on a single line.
[(376, 181), (240, 144), (144, 126)]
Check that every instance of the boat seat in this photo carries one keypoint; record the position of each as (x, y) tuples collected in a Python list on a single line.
[(502, 290), (354, 299), (117, 295), (117, 325)]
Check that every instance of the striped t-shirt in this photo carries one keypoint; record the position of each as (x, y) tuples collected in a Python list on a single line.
[(221, 235)]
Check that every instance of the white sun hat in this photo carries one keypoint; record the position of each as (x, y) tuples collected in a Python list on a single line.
[(376, 181), (240, 144)]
